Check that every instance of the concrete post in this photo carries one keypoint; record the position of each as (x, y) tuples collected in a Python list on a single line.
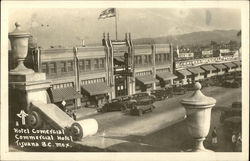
[(153, 64), (25, 85), (198, 108)]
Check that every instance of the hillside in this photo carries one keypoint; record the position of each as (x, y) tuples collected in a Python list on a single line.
[(194, 38)]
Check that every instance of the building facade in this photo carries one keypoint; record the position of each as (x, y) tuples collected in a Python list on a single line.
[(88, 76)]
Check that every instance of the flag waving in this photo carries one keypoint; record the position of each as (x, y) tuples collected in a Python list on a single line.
[(110, 12)]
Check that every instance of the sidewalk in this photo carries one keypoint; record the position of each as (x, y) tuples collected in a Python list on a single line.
[(84, 112)]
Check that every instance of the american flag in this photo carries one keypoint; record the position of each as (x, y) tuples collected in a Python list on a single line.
[(110, 12)]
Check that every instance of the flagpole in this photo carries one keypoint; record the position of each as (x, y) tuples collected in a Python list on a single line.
[(116, 24)]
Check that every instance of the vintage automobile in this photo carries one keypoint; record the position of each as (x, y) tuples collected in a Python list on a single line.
[(142, 106), (160, 94), (143, 95), (117, 104), (232, 83), (235, 110), (178, 90)]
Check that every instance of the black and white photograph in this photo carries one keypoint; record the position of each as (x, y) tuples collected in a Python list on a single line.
[(110, 80)]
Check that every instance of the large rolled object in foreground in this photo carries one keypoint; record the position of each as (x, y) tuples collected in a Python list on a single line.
[(84, 128), (41, 114)]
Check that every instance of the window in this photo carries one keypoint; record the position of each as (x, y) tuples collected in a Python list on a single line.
[(168, 56), (87, 65), (136, 59), (70, 66), (44, 67), (96, 63), (63, 67), (81, 65), (146, 59), (150, 59), (139, 60), (159, 58), (164, 57), (52, 67), (101, 63)]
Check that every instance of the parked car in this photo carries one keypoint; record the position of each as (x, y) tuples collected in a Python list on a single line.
[(232, 83), (207, 82), (117, 104), (178, 89), (143, 95), (160, 94), (142, 106), (235, 110)]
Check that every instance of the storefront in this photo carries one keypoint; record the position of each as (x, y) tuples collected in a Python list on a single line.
[(221, 69), (96, 93), (165, 78), (185, 75), (231, 67), (64, 97), (145, 83), (210, 71), (197, 73), (238, 63)]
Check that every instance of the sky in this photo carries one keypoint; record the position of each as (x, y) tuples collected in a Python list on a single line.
[(67, 27)]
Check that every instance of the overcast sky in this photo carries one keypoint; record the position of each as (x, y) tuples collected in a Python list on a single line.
[(68, 26)]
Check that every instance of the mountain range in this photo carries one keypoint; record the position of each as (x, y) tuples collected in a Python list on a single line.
[(194, 38)]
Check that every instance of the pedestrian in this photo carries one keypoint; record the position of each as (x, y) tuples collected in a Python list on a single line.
[(238, 143), (214, 136), (234, 140)]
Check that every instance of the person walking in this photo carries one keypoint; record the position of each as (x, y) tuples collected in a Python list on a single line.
[(214, 136), (238, 143), (234, 140)]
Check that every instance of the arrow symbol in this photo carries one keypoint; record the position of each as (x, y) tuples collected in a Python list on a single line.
[(22, 115)]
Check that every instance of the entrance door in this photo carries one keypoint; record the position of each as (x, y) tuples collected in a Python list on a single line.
[(120, 86)]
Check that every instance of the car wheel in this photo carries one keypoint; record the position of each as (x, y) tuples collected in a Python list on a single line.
[(140, 112)]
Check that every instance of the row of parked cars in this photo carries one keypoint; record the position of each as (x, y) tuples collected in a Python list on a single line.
[(140, 103)]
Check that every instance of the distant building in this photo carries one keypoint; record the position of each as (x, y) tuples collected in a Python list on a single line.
[(207, 53)]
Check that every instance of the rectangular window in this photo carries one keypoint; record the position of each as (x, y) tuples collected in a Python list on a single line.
[(81, 65), (70, 66), (87, 65), (52, 67), (145, 59), (63, 67), (45, 68), (150, 59), (96, 63), (139, 60), (136, 59), (164, 57), (101, 63), (160, 58)]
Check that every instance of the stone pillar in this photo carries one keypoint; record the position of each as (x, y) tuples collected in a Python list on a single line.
[(25, 85), (153, 64), (198, 108)]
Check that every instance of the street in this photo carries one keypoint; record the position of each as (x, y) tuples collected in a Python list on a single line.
[(162, 130)]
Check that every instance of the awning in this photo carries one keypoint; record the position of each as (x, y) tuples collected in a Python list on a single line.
[(184, 72), (238, 63), (96, 88), (208, 67), (67, 93), (230, 65), (219, 66), (196, 70), (166, 75), (146, 79), (119, 60)]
